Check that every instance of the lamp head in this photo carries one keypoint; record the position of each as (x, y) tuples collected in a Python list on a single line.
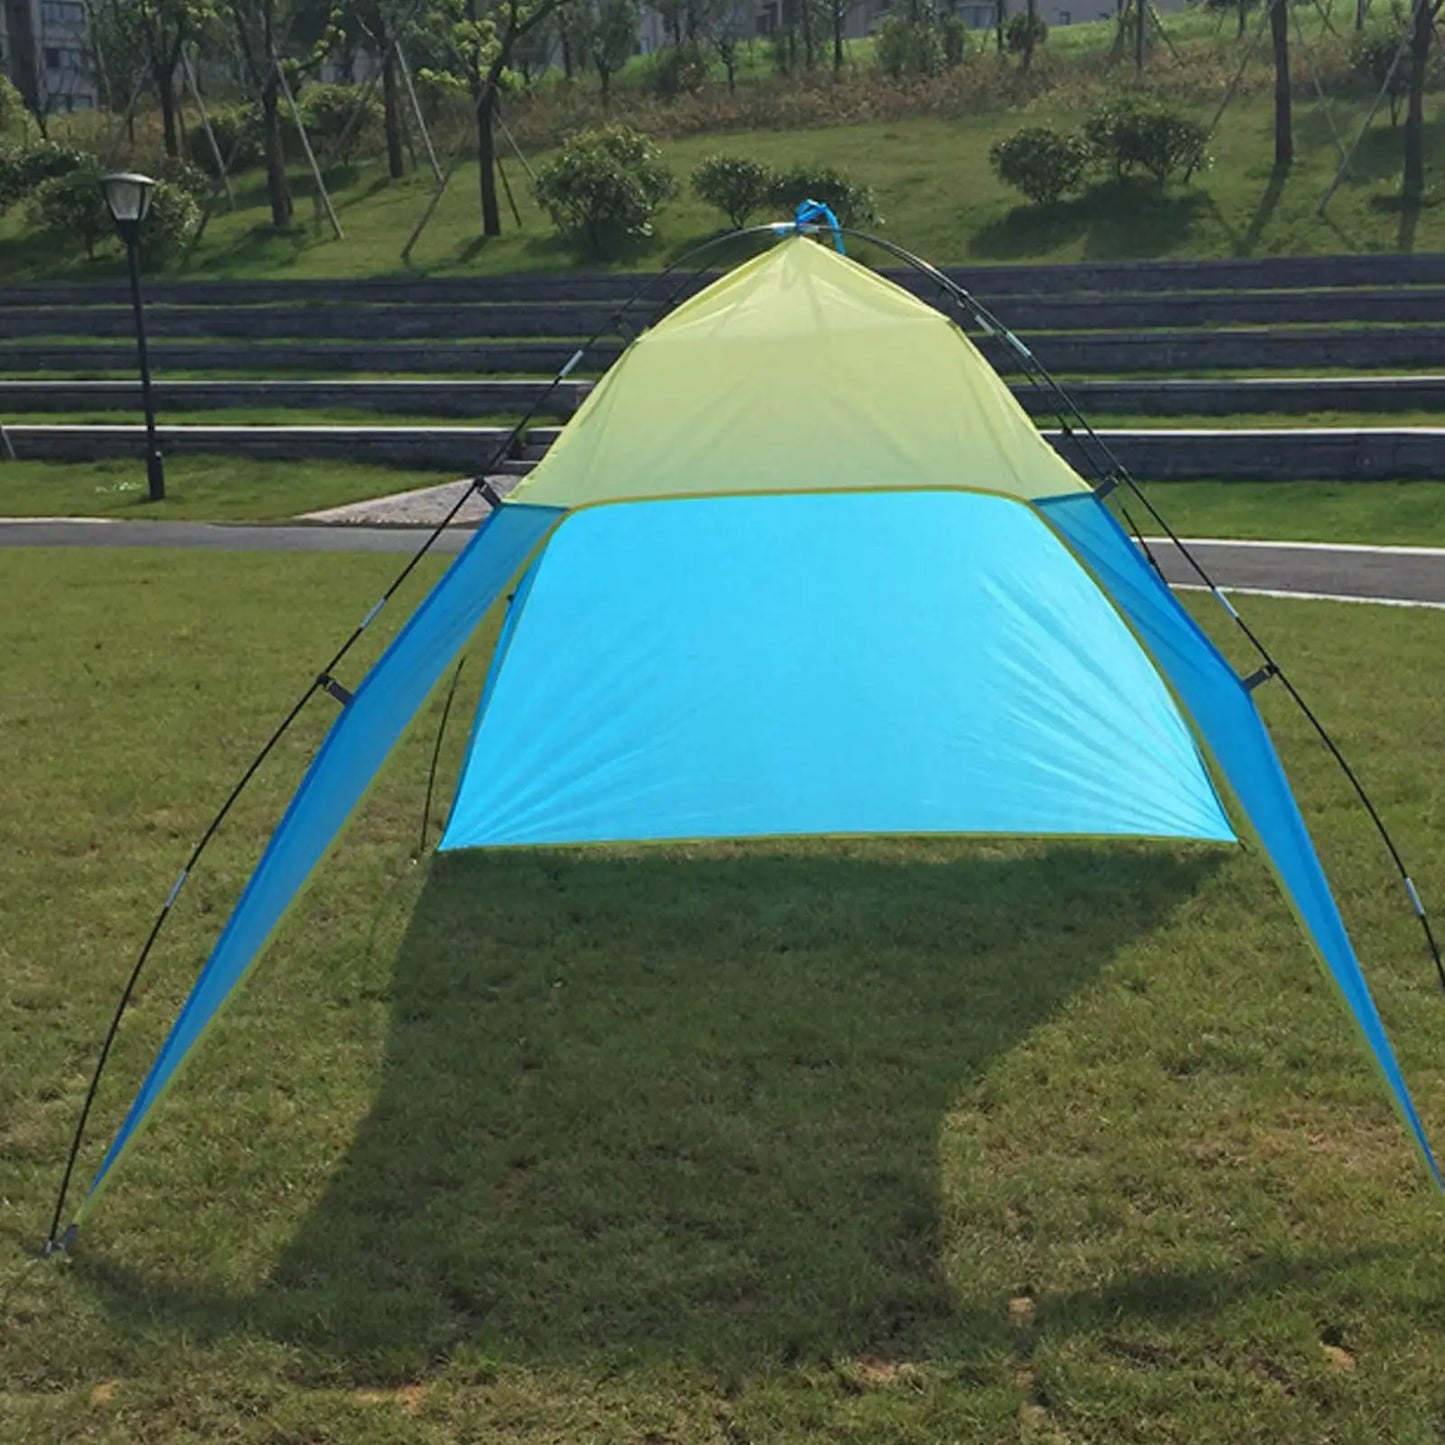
[(128, 199)]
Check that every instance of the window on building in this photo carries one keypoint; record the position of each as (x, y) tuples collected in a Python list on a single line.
[(1066, 17)]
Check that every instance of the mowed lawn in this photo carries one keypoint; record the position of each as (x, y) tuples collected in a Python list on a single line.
[(884, 1141), (224, 489)]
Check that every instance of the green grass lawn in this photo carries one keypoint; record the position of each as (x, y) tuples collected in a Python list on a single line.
[(226, 489), (935, 188), (874, 1142), (204, 488), (1385, 513)]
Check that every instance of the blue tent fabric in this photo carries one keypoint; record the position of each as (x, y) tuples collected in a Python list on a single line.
[(816, 663), (349, 758), (1233, 732)]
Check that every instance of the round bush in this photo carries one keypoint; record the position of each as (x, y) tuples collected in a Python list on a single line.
[(678, 70), (180, 173), (69, 211), (735, 185), (1044, 164), (173, 218), (23, 169), (853, 204), (1137, 134), (238, 134), (604, 189), (907, 46), (1025, 32), (327, 110), (17, 126)]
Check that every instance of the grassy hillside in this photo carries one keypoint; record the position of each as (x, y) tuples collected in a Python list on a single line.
[(935, 188)]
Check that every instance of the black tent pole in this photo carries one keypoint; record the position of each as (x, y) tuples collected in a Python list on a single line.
[(324, 680)]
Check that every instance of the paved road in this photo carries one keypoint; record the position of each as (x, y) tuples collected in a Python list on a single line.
[(1403, 575)]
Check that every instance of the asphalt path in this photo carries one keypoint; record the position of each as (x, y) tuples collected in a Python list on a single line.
[(1403, 576)]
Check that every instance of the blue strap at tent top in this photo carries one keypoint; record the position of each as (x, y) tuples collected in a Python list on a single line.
[(810, 211)]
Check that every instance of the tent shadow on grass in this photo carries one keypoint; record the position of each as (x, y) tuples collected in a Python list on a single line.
[(685, 1106)]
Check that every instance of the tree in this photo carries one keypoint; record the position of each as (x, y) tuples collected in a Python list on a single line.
[(1283, 127), (382, 25), (614, 38), (268, 33), (481, 42), (1422, 33), (574, 33), (155, 33)]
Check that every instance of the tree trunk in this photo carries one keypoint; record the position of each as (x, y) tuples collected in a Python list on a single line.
[(605, 77), (1139, 36), (1033, 14), (24, 54), (487, 161), (1360, 7), (1413, 186), (810, 43), (568, 65), (1000, 10), (166, 92), (277, 185), (1283, 127), (1243, 8), (391, 112), (839, 16)]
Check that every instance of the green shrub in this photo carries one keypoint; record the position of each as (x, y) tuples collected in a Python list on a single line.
[(906, 46), (604, 189), (327, 110), (173, 218), (22, 169), (180, 173), (1044, 164), (678, 70), (734, 185), (853, 204), (237, 130), (954, 35), (17, 126), (1135, 134), (1025, 32), (69, 211), (1371, 58)]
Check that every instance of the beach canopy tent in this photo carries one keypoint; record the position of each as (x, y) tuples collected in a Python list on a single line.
[(802, 565)]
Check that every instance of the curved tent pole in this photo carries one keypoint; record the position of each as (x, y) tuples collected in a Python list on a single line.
[(324, 681), (1113, 473)]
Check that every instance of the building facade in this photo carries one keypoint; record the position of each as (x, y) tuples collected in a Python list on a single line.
[(45, 52)]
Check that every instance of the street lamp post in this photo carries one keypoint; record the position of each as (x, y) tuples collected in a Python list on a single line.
[(128, 199)]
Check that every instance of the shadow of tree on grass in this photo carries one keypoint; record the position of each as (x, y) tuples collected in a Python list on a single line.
[(1118, 220)]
